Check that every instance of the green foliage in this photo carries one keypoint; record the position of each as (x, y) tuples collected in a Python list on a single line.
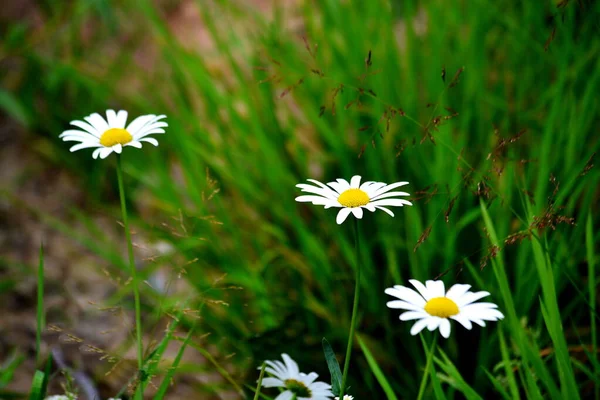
[(334, 368), (499, 153)]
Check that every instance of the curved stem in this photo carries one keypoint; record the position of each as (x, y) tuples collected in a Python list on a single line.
[(427, 367), (354, 309), (134, 279)]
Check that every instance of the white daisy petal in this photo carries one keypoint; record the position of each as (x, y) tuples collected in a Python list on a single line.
[(410, 315), (419, 326), (105, 152), (157, 131), (391, 202), (77, 133), (387, 188), (287, 395), (406, 294), (308, 379), (355, 182), (435, 288), (389, 194), (457, 291), (98, 122), (421, 289), (357, 211), (121, 119), (388, 211), (403, 305), (325, 189), (86, 127), (445, 328), (372, 189), (111, 118), (344, 183), (149, 140), (342, 215), (134, 143), (97, 152), (433, 323), (470, 297), (272, 382), (317, 200), (135, 125), (463, 320), (325, 192), (83, 146), (291, 365), (117, 148)]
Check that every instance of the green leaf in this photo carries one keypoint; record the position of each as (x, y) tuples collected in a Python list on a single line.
[(37, 386), (13, 107), (385, 385), (334, 368)]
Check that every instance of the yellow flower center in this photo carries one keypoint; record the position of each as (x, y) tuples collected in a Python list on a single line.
[(115, 136), (353, 198), (298, 388), (441, 307)]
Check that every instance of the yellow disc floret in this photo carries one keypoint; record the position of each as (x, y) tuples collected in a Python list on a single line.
[(115, 136), (298, 388), (441, 307), (353, 198)]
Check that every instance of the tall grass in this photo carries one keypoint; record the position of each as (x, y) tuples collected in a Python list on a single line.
[(499, 157)]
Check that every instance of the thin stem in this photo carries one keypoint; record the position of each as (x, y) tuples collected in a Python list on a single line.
[(354, 309), (427, 366), (259, 383), (134, 279), (40, 306)]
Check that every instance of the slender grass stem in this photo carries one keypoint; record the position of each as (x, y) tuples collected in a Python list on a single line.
[(40, 306), (259, 383), (589, 239), (354, 309), (134, 278), (427, 366)]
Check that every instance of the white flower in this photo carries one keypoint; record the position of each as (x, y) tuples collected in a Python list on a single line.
[(353, 197), (287, 375), (60, 397), (432, 306), (111, 135), (346, 397)]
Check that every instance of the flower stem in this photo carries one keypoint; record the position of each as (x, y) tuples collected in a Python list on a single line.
[(427, 366), (134, 279), (354, 309)]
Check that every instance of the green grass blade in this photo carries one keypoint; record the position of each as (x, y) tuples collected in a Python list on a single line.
[(164, 386), (37, 386), (376, 370), (334, 368), (591, 259), (40, 319)]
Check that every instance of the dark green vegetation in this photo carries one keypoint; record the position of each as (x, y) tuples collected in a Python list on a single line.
[(494, 125)]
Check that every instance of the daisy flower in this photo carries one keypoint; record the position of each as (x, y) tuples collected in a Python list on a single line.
[(346, 397), (431, 305), (111, 134), (353, 197), (297, 385)]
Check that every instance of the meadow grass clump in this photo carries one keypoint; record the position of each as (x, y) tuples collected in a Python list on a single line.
[(489, 110)]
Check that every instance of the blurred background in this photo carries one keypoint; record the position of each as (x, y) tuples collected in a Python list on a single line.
[(488, 108)]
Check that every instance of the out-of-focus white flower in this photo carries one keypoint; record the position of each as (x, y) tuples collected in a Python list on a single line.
[(297, 385)]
